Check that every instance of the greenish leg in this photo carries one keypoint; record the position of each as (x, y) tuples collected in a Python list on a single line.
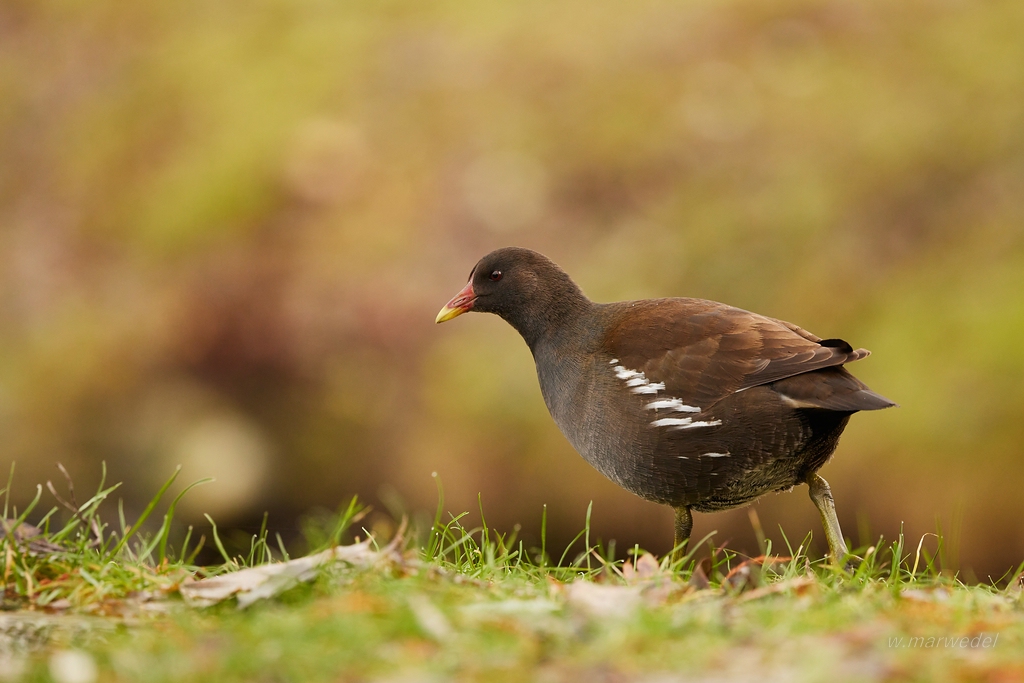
[(684, 525), (821, 494)]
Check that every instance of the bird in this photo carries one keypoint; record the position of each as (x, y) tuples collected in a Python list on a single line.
[(682, 401)]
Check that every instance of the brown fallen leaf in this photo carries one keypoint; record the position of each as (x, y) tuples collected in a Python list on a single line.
[(268, 580), (430, 619), (798, 585), (29, 537), (930, 594), (749, 573), (601, 601), (643, 570), (698, 579)]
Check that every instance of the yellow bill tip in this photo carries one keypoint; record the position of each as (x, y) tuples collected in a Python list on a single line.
[(447, 313), (460, 303)]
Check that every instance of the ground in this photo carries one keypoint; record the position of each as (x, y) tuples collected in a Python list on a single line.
[(84, 604)]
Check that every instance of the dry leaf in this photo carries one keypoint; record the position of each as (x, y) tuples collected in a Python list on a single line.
[(797, 585), (29, 537), (699, 579), (936, 594), (431, 619), (602, 601), (530, 609), (647, 567), (749, 573), (268, 580)]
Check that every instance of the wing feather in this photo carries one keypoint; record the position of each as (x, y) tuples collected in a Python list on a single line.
[(703, 351)]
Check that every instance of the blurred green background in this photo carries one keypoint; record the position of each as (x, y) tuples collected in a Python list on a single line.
[(225, 230)]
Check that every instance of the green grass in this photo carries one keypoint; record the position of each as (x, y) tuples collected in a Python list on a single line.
[(471, 604)]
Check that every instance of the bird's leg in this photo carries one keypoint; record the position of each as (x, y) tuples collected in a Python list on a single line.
[(821, 494), (684, 525)]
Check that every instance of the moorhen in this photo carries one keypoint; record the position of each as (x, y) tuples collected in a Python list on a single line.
[(685, 402)]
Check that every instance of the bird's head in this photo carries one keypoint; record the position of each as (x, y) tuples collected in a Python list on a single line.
[(522, 286)]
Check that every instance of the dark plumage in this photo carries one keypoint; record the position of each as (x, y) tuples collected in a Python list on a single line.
[(685, 402)]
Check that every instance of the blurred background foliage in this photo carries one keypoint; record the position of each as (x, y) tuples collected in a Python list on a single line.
[(225, 230)]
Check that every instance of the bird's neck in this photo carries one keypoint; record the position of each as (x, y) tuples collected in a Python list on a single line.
[(554, 319)]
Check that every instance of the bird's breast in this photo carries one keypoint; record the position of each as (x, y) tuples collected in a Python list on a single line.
[(603, 420)]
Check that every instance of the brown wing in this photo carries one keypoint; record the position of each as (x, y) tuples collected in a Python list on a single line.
[(703, 351)]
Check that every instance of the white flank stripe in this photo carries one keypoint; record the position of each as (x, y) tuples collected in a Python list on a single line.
[(672, 422), (637, 381), (623, 373), (671, 404), (715, 455), (613, 361), (712, 423), (683, 423)]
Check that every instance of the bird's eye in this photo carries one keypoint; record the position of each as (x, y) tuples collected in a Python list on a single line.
[(495, 275)]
